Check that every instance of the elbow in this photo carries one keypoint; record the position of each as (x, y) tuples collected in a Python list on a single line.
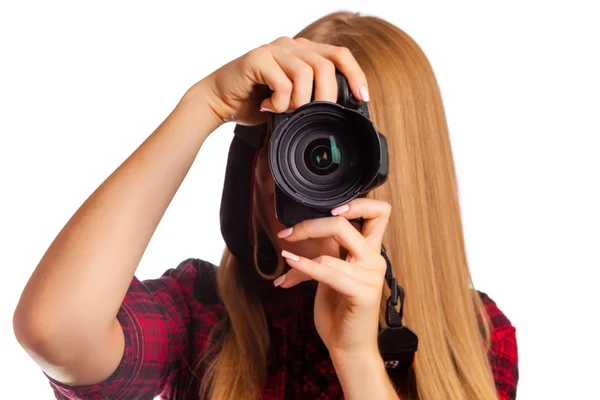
[(54, 339), (39, 334), (29, 330), (30, 319)]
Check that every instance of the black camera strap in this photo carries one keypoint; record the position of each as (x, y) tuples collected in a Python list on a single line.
[(394, 317), (397, 343)]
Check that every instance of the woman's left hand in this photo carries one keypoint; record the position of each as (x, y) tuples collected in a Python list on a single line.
[(349, 293)]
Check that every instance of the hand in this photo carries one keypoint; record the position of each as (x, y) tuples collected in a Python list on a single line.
[(349, 292), (238, 90)]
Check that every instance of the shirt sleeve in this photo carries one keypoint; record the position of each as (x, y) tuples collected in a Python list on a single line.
[(155, 317), (503, 354)]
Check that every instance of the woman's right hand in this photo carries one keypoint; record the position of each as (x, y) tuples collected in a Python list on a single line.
[(238, 91)]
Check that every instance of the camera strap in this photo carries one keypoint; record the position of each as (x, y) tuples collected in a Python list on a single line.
[(397, 343)]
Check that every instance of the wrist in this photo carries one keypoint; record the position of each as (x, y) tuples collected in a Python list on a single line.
[(363, 375), (345, 360), (201, 98), (346, 356)]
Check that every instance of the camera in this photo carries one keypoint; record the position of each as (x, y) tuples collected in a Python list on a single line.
[(324, 155)]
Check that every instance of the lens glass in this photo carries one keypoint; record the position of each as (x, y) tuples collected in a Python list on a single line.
[(322, 156)]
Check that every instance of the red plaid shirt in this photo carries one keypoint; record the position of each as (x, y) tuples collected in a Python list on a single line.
[(166, 327)]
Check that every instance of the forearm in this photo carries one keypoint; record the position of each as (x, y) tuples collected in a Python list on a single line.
[(85, 273), (364, 377)]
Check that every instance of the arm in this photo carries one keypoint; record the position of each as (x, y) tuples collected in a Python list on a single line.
[(364, 377), (59, 320), (67, 316)]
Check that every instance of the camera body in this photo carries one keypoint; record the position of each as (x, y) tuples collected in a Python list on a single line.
[(324, 155)]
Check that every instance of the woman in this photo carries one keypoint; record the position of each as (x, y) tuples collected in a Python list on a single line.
[(252, 328)]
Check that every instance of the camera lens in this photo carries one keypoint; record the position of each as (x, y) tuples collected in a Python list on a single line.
[(322, 156)]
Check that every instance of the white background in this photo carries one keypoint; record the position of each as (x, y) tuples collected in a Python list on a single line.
[(82, 84)]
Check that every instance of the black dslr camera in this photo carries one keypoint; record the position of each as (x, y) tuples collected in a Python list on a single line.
[(324, 155)]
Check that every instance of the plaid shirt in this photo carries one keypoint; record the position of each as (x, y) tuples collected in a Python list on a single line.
[(166, 327)]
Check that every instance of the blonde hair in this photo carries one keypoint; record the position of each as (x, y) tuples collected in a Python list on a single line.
[(424, 238)]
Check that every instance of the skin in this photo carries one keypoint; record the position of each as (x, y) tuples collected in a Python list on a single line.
[(97, 252)]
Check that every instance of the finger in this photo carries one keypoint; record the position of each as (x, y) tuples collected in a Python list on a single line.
[(300, 73), (338, 228), (325, 84), (376, 215), (343, 283), (293, 277), (269, 73), (345, 62)]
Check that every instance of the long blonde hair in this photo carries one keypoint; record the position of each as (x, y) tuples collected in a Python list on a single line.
[(424, 238)]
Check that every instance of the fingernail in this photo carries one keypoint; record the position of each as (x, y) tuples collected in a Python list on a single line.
[(340, 210), (279, 280), (285, 233), (289, 255), (263, 109), (364, 93)]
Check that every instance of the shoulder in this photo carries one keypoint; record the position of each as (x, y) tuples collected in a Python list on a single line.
[(503, 351), (195, 277), (180, 293), (165, 322), (499, 321)]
